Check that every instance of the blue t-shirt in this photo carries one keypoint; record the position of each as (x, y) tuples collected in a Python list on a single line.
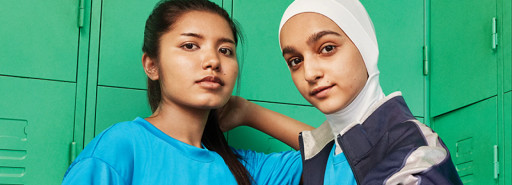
[(338, 170), (136, 152)]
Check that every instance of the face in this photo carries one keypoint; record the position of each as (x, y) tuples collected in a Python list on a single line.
[(197, 62), (326, 67)]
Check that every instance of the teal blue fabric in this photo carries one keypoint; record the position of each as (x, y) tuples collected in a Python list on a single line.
[(136, 152), (338, 170)]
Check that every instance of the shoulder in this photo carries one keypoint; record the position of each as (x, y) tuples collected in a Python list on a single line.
[(120, 138)]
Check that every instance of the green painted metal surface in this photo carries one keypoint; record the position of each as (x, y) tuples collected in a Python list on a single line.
[(399, 32), (506, 43), (463, 63), (36, 130), (506, 158), (265, 75), (470, 135), (39, 39), (117, 104), (250, 138), (122, 33)]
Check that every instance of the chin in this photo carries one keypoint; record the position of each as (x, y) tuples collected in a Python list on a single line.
[(328, 108)]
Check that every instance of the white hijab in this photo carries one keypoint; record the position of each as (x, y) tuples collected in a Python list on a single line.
[(352, 18)]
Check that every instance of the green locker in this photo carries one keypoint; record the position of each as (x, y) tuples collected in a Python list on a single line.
[(118, 104), (263, 67), (506, 43), (39, 39), (399, 32), (507, 146), (36, 130), (122, 34), (472, 149), (250, 138), (463, 61)]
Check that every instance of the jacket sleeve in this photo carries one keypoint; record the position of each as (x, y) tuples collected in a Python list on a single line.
[(427, 164), (92, 171)]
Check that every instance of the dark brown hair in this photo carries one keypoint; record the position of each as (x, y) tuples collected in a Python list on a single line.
[(164, 15)]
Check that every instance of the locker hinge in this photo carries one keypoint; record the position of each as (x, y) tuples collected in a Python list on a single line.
[(494, 33), (81, 12), (425, 61), (496, 163), (72, 153)]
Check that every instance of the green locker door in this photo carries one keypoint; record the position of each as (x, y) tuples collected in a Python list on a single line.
[(470, 135), (122, 33), (118, 104), (250, 138), (463, 62), (36, 130), (399, 32), (265, 75), (39, 39), (507, 144)]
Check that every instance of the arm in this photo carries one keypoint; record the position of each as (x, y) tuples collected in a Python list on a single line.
[(239, 111)]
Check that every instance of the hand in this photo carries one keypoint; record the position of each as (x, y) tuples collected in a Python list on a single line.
[(233, 114)]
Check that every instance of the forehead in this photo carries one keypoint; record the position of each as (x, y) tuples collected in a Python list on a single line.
[(300, 26), (204, 23)]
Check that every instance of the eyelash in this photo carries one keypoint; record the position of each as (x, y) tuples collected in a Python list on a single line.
[(333, 47), (192, 46), (291, 64)]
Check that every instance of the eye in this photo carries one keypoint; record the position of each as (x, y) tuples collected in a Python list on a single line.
[(293, 62), (189, 46), (226, 51), (328, 49)]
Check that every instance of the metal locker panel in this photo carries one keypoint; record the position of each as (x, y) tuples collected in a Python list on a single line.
[(36, 130), (249, 138), (470, 135), (116, 105), (507, 148), (463, 61), (399, 32), (122, 33), (264, 75), (39, 39), (506, 44)]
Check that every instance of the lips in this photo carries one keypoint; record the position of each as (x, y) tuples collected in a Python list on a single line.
[(320, 89), (212, 79)]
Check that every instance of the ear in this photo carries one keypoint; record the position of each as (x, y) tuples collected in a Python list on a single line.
[(150, 67)]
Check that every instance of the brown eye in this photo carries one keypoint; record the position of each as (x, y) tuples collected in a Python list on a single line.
[(328, 49), (294, 62), (226, 51), (189, 46)]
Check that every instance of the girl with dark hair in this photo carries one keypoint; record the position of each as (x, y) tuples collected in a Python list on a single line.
[(191, 63)]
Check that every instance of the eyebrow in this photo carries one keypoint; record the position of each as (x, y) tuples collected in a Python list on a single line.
[(219, 41), (289, 50), (317, 36)]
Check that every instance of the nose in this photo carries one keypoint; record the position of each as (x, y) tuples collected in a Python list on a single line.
[(312, 71), (211, 61)]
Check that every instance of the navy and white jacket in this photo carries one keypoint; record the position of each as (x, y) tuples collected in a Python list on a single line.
[(389, 147)]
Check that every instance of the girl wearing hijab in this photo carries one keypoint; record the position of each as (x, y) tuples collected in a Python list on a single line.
[(369, 138)]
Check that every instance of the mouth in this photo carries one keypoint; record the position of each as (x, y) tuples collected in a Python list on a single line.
[(211, 79), (318, 90)]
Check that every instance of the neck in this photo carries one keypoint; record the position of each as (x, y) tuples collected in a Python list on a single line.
[(180, 122), (357, 109)]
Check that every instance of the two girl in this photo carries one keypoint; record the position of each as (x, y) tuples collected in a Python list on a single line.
[(191, 63)]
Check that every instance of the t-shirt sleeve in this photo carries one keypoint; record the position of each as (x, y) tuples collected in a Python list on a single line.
[(92, 171), (274, 168)]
